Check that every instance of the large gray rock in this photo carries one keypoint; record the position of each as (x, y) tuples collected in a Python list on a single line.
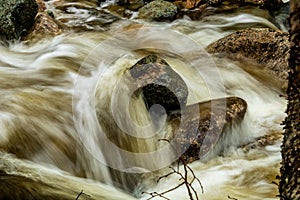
[(159, 83), (204, 125), (158, 10), (264, 46), (16, 17)]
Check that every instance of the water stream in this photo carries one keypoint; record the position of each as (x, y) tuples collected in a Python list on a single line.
[(66, 104)]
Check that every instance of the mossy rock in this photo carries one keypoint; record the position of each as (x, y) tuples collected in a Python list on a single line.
[(16, 17), (158, 10)]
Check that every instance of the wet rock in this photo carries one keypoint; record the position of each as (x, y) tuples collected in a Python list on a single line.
[(203, 125), (267, 47), (119, 10), (93, 19), (16, 17), (268, 4), (64, 4), (45, 25), (263, 141), (195, 3), (158, 10), (135, 4), (159, 83), (196, 7), (41, 5)]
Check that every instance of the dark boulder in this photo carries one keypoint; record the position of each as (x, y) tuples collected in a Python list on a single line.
[(159, 83), (203, 125), (16, 17)]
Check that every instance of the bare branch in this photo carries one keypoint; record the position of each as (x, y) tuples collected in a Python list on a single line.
[(232, 198), (184, 180), (155, 194), (79, 195)]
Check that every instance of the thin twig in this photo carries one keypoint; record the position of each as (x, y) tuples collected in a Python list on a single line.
[(232, 198), (196, 178), (183, 180), (79, 195), (155, 194)]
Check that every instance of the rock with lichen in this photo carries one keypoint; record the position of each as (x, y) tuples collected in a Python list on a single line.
[(16, 18), (158, 10)]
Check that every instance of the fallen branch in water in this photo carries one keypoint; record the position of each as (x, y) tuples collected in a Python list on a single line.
[(184, 181), (232, 198), (79, 195)]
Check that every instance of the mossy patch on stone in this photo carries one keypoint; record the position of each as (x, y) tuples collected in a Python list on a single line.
[(16, 17), (158, 10)]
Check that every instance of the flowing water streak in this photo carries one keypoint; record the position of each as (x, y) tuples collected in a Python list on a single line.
[(36, 86), (239, 173)]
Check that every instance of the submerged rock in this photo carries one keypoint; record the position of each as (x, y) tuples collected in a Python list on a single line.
[(263, 141), (16, 17), (158, 10), (204, 125), (265, 46), (84, 15), (159, 83)]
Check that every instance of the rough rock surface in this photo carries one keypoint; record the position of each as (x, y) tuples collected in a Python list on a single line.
[(267, 4), (16, 17), (41, 5), (289, 187), (45, 25), (203, 125), (158, 10), (262, 142), (159, 83), (267, 47)]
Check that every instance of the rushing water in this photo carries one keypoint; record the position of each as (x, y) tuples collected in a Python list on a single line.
[(61, 98)]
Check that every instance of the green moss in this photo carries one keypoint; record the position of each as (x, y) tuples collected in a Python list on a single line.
[(16, 17), (158, 10)]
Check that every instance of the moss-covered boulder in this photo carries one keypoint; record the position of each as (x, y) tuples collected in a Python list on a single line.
[(16, 17), (158, 10)]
